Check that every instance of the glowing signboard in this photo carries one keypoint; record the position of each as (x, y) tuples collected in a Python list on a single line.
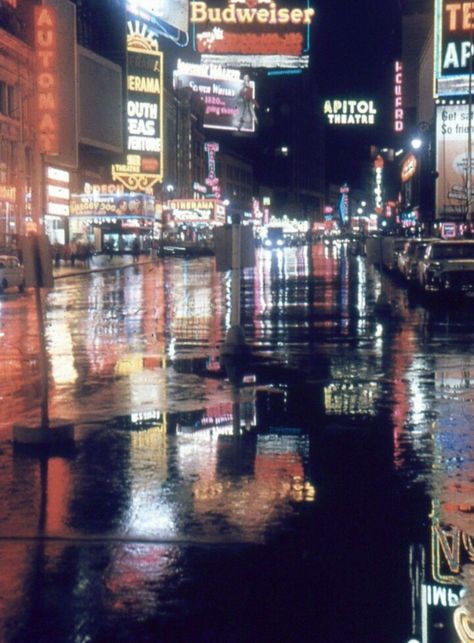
[(350, 112), (228, 99), (378, 184), (454, 22), (112, 205), (251, 33), (144, 166), (212, 181), (159, 15), (399, 114), (47, 79), (408, 168)]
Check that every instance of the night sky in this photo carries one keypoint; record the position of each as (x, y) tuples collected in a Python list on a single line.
[(354, 45)]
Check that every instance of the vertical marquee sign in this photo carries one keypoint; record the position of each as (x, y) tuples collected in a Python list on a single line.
[(47, 79), (144, 165), (399, 114)]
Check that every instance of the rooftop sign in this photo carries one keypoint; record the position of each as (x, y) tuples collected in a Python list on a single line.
[(251, 33)]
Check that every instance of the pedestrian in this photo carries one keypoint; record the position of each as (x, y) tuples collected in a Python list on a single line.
[(73, 252), (135, 249)]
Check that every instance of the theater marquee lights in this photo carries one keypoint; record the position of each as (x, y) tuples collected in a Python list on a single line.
[(251, 33), (47, 78), (350, 112), (144, 166)]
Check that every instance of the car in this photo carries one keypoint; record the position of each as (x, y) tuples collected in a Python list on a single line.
[(448, 266), (409, 257), (274, 239), (11, 273)]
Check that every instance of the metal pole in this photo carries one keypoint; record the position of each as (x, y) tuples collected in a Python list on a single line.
[(469, 139), (43, 361), (236, 250)]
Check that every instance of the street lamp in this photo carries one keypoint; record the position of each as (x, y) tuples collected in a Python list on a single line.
[(416, 143)]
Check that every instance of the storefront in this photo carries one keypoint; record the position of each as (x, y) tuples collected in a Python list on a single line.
[(110, 222), (192, 220)]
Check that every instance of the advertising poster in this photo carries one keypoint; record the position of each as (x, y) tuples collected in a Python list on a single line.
[(160, 15), (228, 99), (454, 22), (452, 159), (252, 33)]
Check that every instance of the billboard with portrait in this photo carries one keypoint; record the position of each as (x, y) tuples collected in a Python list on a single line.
[(228, 98), (252, 33)]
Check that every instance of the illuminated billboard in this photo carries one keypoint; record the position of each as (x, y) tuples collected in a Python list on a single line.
[(251, 33), (452, 159), (350, 112), (161, 15), (47, 81), (144, 165), (228, 99), (454, 22)]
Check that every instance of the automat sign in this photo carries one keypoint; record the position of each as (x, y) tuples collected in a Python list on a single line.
[(350, 112)]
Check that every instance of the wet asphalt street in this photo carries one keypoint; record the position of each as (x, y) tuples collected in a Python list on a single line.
[(329, 498)]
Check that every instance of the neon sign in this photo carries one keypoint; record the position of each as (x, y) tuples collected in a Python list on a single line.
[(252, 33), (350, 112), (399, 115), (47, 79), (200, 12), (378, 189), (212, 180), (144, 166)]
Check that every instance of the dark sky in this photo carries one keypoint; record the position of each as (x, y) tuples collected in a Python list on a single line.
[(355, 43)]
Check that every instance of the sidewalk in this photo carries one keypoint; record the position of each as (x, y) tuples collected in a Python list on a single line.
[(98, 263)]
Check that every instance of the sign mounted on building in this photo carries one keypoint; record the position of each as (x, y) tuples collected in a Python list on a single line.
[(212, 180), (228, 99), (399, 113), (144, 166), (452, 160), (350, 112), (47, 81), (409, 166), (251, 33), (453, 47), (160, 15), (378, 184)]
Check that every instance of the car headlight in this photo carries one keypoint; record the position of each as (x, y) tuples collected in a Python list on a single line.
[(267, 243), (279, 242)]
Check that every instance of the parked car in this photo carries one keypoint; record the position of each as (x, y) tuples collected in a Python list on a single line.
[(409, 257), (448, 266), (11, 273)]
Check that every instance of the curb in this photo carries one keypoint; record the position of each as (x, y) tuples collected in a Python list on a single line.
[(87, 271)]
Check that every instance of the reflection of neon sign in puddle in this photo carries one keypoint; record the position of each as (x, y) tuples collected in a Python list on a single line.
[(464, 625)]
